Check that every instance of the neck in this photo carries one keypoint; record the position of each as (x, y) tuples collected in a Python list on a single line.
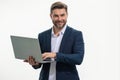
[(56, 30)]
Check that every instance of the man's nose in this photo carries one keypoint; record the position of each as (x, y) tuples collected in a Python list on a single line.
[(59, 18)]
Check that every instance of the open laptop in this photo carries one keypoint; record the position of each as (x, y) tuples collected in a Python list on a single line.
[(24, 47)]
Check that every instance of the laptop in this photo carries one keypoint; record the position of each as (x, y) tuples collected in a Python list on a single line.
[(24, 47)]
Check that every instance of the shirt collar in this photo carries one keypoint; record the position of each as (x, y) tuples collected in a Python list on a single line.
[(61, 32)]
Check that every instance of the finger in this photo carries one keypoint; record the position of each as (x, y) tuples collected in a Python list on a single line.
[(30, 57), (26, 60), (45, 57), (31, 60)]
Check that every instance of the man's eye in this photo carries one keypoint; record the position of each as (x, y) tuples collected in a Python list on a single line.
[(55, 16), (63, 15)]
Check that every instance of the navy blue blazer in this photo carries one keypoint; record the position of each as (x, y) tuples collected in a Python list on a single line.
[(70, 54)]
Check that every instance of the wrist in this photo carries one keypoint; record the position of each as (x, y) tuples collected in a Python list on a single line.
[(54, 55)]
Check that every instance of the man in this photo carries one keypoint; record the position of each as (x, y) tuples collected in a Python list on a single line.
[(61, 43)]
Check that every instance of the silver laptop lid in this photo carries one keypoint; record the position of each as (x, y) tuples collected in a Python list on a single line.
[(24, 47)]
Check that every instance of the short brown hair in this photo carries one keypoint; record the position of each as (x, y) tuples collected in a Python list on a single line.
[(58, 5)]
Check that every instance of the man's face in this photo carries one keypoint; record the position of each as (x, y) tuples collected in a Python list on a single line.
[(59, 17)]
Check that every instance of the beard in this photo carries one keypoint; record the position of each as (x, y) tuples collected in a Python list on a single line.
[(59, 24)]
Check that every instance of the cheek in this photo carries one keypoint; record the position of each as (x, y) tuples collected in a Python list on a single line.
[(65, 19), (54, 18)]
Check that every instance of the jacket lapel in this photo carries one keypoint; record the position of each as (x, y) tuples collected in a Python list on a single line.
[(64, 39), (48, 41)]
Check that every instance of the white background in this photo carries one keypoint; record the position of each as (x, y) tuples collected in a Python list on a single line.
[(99, 20)]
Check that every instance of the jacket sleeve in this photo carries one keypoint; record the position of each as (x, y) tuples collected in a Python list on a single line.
[(37, 66), (76, 56)]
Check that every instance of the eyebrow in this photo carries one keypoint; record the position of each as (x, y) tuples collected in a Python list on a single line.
[(60, 14)]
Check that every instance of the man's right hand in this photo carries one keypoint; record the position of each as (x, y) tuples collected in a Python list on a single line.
[(31, 61)]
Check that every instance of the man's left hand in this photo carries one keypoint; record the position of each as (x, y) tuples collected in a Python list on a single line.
[(48, 55)]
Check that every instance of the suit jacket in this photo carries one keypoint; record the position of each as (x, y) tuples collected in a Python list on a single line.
[(70, 54)]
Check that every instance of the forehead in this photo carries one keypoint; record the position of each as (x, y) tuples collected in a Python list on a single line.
[(59, 11)]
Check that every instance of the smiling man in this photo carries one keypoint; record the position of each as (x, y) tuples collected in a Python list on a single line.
[(63, 44)]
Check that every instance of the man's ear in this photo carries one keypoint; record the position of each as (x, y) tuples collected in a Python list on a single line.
[(50, 15)]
